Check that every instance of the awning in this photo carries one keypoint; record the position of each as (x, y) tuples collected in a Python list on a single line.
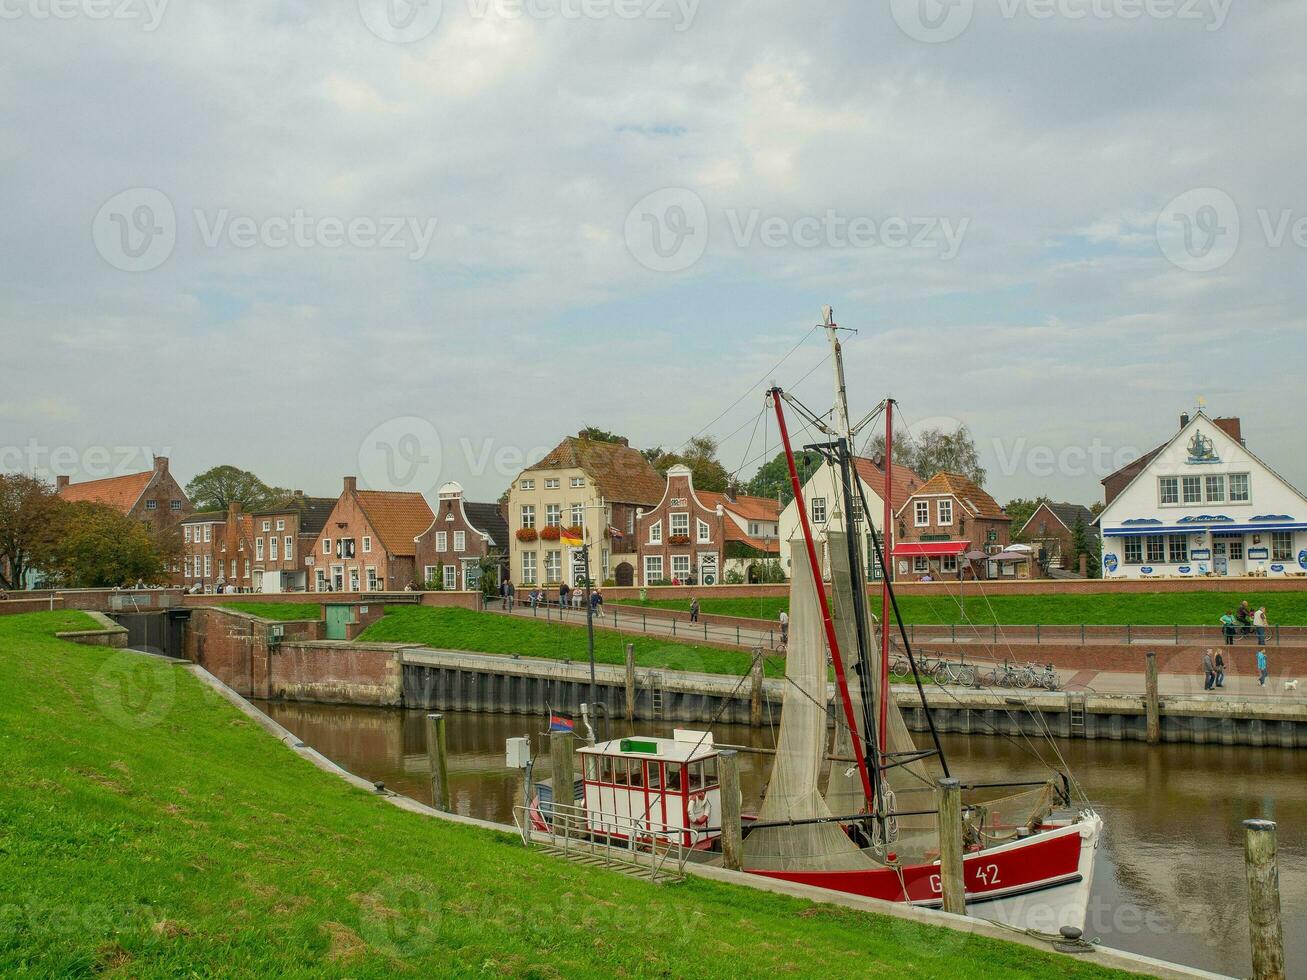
[(930, 549)]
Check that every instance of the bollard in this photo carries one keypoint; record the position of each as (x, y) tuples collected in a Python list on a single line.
[(1152, 703), (755, 695), (952, 883), (630, 682), (728, 774), (1264, 899), (436, 752)]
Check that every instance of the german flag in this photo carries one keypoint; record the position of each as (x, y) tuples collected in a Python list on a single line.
[(571, 537)]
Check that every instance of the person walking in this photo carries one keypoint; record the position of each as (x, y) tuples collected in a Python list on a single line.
[(1261, 668), (1227, 624), (785, 629), (1209, 671), (564, 590), (510, 594), (1244, 616), (694, 609), (1219, 661), (1259, 624)]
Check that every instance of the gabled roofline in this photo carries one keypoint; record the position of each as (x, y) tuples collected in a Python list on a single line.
[(435, 519), (1042, 506), (1200, 414)]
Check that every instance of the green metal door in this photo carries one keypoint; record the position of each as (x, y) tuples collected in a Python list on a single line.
[(338, 621)]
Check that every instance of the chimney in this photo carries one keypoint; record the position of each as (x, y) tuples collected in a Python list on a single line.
[(299, 493), (61, 481), (1184, 419), (1232, 427), (161, 464), (351, 484)]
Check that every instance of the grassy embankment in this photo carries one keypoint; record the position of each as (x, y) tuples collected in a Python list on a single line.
[(147, 828), (1109, 609), (283, 611), (463, 629)]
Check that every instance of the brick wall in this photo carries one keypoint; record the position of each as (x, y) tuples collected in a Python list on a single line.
[(1241, 660)]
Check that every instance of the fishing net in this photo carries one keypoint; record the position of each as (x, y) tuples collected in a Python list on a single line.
[(792, 792)]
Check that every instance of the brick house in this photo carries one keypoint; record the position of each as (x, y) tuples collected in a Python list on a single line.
[(217, 550), (368, 542), (462, 536), (153, 497), (283, 542), (1051, 531), (944, 519), (693, 536), (585, 483)]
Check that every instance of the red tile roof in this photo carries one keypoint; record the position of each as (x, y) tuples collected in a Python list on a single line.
[(620, 472), (397, 518), (903, 481), (749, 508), (119, 492), (734, 533), (957, 485)]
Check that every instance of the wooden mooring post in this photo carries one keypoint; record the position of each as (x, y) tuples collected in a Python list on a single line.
[(1152, 703), (1267, 933), (728, 774), (755, 695), (437, 753), (953, 889), (560, 762), (630, 682)]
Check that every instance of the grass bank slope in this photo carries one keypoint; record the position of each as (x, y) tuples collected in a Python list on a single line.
[(149, 829)]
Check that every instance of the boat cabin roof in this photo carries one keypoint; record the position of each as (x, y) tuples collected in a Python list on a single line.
[(684, 746)]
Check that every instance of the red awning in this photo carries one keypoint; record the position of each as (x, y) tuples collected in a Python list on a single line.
[(931, 549)]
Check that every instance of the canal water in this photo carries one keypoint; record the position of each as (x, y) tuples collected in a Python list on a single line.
[(1169, 880)]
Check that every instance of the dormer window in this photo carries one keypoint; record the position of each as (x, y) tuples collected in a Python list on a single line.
[(921, 513)]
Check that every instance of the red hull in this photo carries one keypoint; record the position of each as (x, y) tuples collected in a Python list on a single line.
[(1024, 866)]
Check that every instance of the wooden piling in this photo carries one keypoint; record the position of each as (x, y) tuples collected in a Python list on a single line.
[(437, 754), (952, 883), (1267, 933), (630, 682), (560, 761), (728, 774), (755, 695), (1152, 703)]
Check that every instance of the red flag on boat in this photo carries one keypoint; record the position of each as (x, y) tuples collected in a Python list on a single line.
[(557, 723)]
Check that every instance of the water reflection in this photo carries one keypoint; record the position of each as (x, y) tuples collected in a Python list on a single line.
[(1169, 881)]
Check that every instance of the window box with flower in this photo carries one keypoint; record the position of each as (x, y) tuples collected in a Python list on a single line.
[(551, 532), (526, 534), (679, 539)]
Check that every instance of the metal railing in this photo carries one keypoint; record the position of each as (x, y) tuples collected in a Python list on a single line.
[(1084, 634), (612, 839)]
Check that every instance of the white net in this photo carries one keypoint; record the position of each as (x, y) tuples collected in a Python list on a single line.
[(793, 793)]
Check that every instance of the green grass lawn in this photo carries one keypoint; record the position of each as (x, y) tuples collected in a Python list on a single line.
[(147, 828), (1112, 609), (285, 611), (483, 632)]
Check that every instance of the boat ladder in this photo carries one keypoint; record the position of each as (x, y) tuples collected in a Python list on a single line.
[(1075, 705), (642, 849)]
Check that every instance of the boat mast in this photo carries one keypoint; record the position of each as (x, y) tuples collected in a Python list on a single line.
[(844, 447), (827, 622), (887, 562)]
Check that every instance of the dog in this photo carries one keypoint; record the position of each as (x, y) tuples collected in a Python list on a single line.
[(1291, 685)]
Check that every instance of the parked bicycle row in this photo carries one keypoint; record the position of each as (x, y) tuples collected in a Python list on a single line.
[(1006, 674)]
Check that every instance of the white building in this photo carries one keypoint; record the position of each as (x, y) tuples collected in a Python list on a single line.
[(1202, 504), (823, 494)]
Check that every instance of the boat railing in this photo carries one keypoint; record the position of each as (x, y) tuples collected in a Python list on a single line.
[(612, 839)]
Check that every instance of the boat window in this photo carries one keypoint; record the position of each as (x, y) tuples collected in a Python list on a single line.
[(695, 781), (592, 768), (710, 771), (608, 776), (637, 772), (673, 777), (655, 773)]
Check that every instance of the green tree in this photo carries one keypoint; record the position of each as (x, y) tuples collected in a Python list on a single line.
[(100, 547), (28, 526), (700, 455), (1020, 509), (1085, 542), (220, 486), (595, 434), (773, 476), (933, 451)]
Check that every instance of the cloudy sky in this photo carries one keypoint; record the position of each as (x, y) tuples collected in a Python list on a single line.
[(423, 242)]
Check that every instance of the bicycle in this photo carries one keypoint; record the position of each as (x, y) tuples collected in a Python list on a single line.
[(946, 672)]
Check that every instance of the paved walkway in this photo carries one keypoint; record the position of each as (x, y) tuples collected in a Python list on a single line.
[(649, 624), (1117, 682)]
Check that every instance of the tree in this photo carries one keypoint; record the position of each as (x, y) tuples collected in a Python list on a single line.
[(700, 455), (216, 488), (1084, 542), (99, 547), (773, 476), (1020, 510), (28, 526), (934, 451), (595, 434)]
